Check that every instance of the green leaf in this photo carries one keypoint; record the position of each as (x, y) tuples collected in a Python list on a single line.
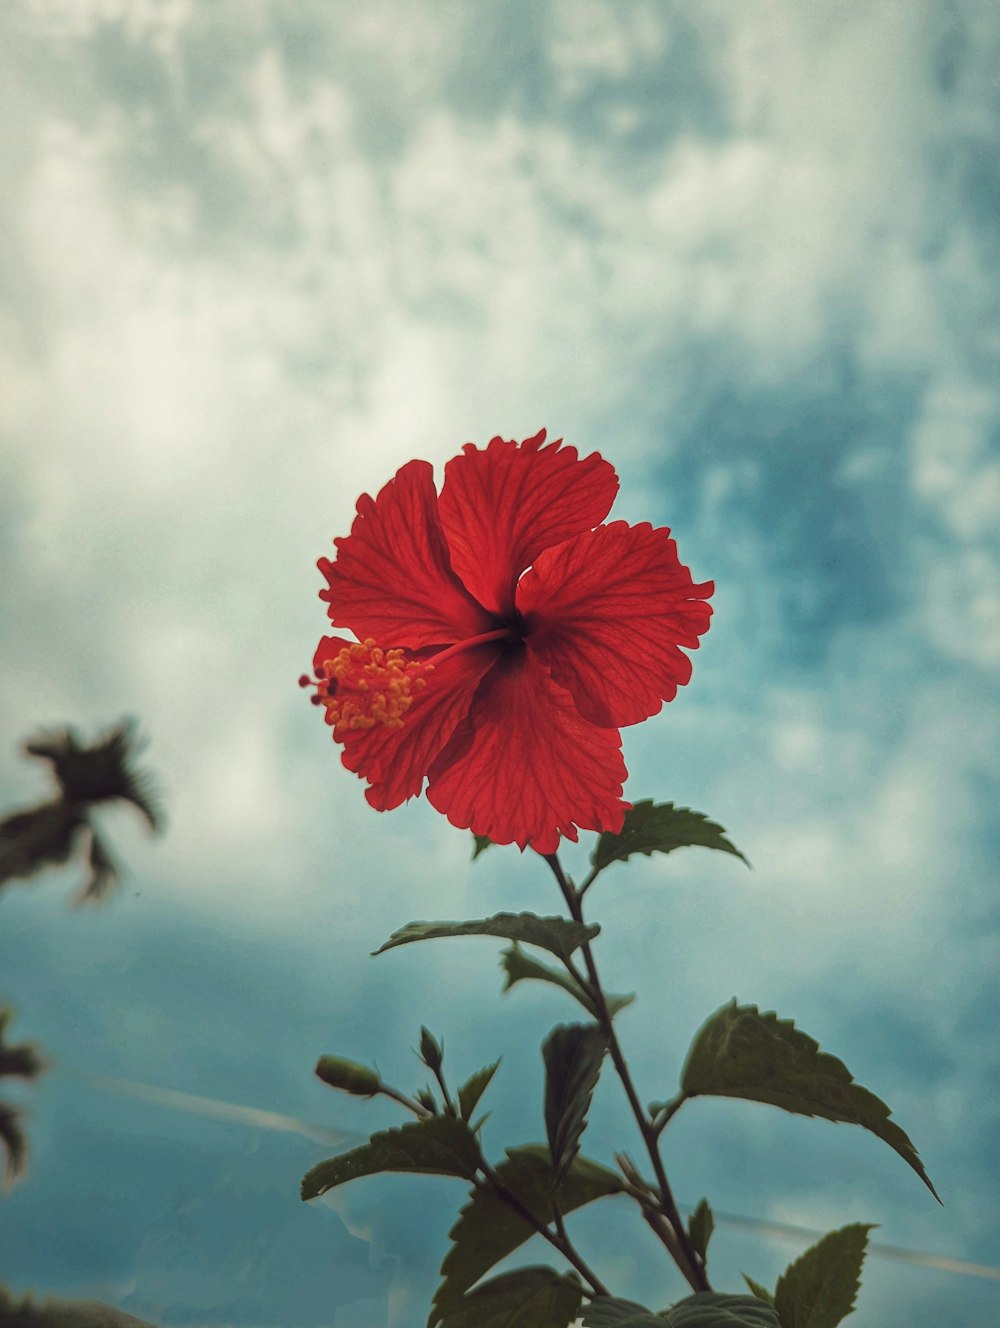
[(819, 1289), (488, 1229), (660, 827), (609, 1312), (558, 935), (701, 1224), (705, 1309), (518, 966), (528, 1298), (483, 842), (573, 1055), (710, 1309), (742, 1053), (761, 1292), (437, 1146), (473, 1089)]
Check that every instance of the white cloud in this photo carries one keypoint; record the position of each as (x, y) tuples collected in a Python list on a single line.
[(190, 423)]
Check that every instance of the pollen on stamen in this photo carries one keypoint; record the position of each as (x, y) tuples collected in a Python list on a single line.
[(364, 685)]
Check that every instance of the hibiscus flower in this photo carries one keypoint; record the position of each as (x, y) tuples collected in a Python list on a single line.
[(504, 636)]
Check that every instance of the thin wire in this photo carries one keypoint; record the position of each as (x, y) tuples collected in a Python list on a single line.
[(790, 1231), (219, 1109)]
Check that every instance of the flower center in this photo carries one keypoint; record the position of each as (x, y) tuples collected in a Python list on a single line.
[(364, 685)]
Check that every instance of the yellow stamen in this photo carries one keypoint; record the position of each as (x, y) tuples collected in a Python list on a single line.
[(364, 685)]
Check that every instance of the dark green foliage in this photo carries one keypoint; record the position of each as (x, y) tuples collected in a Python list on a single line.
[(517, 966), (100, 771), (527, 1298), (742, 1053), (62, 1314), (348, 1076), (15, 1145), (819, 1289), (19, 1060), (104, 874), (426, 1099), (88, 775), (488, 1229), (473, 1089), (710, 1309), (557, 935), (701, 1224), (609, 1312), (437, 1146), (482, 843), (761, 1292), (652, 827), (573, 1055), (705, 1309), (43, 837)]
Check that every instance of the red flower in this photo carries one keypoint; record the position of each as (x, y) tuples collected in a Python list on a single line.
[(503, 640)]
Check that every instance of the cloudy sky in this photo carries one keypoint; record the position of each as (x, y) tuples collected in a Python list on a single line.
[(254, 256)]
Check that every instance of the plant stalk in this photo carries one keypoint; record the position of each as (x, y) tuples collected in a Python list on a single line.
[(688, 1262), (558, 1239)]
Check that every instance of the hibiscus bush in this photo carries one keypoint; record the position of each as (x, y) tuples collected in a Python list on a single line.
[(500, 637)]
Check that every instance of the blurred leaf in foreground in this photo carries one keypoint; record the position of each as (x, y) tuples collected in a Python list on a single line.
[(87, 775)]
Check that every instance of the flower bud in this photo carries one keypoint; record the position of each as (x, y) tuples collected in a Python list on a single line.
[(431, 1051), (348, 1075)]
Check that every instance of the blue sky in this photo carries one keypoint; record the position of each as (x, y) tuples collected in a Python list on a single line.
[(254, 257)]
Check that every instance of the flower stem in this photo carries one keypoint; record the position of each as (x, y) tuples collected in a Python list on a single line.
[(418, 1109), (683, 1252), (558, 1239)]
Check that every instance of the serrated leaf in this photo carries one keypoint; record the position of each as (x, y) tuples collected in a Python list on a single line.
[(761, 1292), (573, 1055), (488, 1229), (437, 1146), (819, 1289), (660, 827), (711, 1309), (609, 1312), (559, 936), (701, 1224), (473, 1089), (482, 843), (517, 966), (743, 1053), (528, 1298)]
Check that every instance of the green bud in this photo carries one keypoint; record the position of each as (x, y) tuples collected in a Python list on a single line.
[(426, 1099), (348, 1075), (431, 1051)]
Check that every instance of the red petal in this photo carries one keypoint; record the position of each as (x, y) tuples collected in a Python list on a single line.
[(392, 577), (500, 507), (395, 761), (524, 767), (607, 612)]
